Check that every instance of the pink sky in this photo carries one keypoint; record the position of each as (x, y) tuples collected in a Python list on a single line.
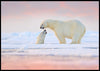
[(26, 16)]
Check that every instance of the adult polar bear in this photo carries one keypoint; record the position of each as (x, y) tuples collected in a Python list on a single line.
[(72, 29)]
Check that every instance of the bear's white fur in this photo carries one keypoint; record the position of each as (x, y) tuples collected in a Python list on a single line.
[(72, 29), (41, 37)]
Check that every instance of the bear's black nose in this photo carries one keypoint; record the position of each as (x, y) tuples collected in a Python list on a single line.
[(41, 27), (45, 31)]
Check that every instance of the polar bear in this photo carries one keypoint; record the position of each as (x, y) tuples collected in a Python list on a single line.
[(72, 29), (41, 37)]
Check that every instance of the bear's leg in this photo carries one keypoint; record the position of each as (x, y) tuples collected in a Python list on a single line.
[(75, 39), (61, 39), (79, 41)]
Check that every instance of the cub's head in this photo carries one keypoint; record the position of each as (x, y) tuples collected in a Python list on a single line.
[(43, 33), (41, 37)]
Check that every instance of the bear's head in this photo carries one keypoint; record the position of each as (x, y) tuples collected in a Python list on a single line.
[(41, 37), (46, 23), (43, 33)]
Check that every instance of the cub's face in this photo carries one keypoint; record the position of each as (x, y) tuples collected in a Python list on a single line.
[(45, 32), (41, 37), (42, 34)]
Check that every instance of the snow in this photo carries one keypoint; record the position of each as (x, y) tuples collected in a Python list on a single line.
[(24, 44)]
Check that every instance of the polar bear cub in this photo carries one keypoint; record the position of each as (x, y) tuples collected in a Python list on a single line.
[(41, 37)]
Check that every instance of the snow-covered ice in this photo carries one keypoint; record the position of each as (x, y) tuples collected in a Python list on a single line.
[(24, 43)]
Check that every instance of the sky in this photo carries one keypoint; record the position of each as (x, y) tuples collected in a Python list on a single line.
[(26, 16)]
